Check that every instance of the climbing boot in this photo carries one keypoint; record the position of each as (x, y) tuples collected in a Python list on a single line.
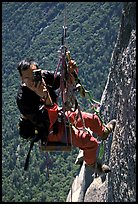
[(102, 168), (99, 168), (109, 128)]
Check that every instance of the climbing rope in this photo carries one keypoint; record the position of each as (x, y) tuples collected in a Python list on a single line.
[(69, 101)]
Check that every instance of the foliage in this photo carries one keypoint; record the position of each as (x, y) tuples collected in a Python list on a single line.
[(34, 29)]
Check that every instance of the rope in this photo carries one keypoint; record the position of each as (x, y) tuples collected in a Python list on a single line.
[(48, 164), (59, 62), (101, 151), (64, 86), (71, 157)]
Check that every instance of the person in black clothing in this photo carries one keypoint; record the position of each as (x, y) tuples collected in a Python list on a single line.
[(32, 97)]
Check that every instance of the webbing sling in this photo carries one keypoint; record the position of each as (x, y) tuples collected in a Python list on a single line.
[(35, 139)]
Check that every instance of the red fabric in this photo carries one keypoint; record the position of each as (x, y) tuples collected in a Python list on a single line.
[(53, 113), (80, 138), (83, 139)]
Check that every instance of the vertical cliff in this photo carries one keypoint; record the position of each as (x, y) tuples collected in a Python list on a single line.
[(119, 102)]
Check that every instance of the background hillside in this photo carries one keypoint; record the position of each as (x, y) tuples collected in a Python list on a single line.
[(33, 29)]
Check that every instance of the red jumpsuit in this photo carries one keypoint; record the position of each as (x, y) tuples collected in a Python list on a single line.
[(80, 138)]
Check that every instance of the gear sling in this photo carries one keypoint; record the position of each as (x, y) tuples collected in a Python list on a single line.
[(59, 115)]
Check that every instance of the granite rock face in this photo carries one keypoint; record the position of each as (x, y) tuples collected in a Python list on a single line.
[(119, 102)]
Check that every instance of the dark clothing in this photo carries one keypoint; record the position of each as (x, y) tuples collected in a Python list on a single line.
[(31, 105), (29, 102)]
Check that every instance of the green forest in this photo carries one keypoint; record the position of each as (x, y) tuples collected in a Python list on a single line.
[(34, 30)]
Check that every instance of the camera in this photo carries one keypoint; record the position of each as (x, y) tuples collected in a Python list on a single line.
[(37, 76)]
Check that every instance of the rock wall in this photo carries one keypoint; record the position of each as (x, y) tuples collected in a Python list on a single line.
[(119, 102)]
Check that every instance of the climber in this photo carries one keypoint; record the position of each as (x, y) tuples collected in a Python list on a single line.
[(37, 102)]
